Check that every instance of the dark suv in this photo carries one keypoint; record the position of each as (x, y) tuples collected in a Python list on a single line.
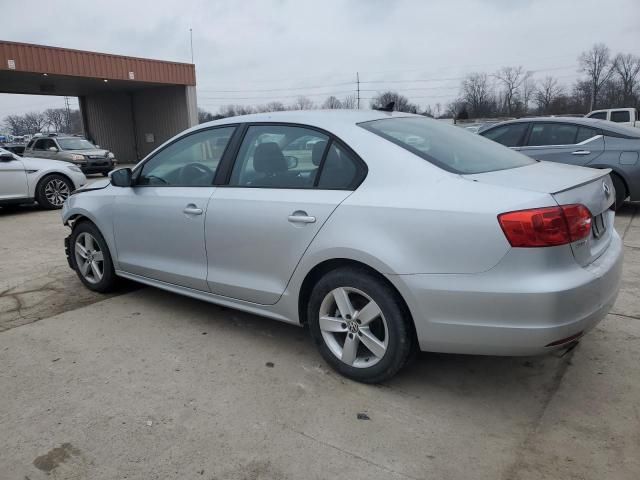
[(77, 150)]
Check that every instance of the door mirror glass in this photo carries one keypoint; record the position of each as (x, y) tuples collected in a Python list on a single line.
[(6, 157), (53, 149), (121, 177)]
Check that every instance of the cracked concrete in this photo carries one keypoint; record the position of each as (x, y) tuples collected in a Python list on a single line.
[(130, 387)]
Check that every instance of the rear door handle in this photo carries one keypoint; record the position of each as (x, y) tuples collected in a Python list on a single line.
[(300, 216), (581, 152), (192, 209)]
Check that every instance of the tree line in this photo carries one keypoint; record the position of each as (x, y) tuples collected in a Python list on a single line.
[(608, 81), (54, 119)]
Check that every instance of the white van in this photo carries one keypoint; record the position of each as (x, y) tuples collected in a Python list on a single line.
[(625, 116)]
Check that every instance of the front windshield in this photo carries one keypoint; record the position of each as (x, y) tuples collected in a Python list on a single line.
[(75, 144), (448, 147)]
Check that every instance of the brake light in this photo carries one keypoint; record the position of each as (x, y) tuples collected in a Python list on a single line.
[(546, 227)]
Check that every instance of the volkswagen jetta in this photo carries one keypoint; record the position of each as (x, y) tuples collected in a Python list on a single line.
[(385, 233)]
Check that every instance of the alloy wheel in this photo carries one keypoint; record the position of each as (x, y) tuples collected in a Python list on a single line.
[(56, 192), (353, 327), (89, 257)]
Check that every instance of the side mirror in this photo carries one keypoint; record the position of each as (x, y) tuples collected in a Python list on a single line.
[(121, 177), (292, 162), (53, 149), (6, 157)]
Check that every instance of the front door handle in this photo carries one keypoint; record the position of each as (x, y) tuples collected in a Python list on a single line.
[(581, 152), (300, 216), (192, 209)]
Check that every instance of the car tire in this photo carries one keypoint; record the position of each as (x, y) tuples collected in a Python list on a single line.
[(91, 259), (53, 190), (621, 191), (335, 332)]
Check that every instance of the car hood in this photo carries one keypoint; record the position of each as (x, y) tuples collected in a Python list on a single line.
[(31, 163), (97, 185), (99, 152), (545, 177)]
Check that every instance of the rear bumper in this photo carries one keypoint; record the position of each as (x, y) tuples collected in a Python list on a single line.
[(505, 311)]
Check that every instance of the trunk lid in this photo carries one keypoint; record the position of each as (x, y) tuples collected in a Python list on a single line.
[(567, 184)]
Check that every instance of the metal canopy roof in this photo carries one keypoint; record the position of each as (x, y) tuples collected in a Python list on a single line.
[(38, 69)]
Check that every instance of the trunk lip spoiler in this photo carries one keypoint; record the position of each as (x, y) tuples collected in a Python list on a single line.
[(603, 172)]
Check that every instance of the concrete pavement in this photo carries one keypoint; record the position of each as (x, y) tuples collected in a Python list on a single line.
[(152, 385)]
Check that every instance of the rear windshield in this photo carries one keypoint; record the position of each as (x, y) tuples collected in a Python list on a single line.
[(451, 148)]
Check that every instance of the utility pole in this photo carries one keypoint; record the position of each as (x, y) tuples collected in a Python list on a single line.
[(191, 42), (66, 103), (358, 87)]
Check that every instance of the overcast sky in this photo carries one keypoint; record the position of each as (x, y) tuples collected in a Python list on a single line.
[(293, 47)]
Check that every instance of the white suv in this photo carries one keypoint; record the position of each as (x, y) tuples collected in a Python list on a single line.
[(49, 182)]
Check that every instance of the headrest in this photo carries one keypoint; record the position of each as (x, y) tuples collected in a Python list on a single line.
[(268, 158), (316, 153)]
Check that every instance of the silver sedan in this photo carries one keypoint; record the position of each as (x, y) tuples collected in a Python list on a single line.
[(384, 233)]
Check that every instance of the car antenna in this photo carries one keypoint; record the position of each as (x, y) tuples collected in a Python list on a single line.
[(387, 108)]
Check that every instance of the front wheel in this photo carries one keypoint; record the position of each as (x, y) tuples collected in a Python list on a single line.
[(52, 191), (359, 325), (91, 258)]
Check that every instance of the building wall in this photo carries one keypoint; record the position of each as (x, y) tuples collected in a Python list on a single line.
[(108, 119), (160, 113)]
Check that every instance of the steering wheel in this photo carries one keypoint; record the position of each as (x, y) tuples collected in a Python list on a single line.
[(195, 173)]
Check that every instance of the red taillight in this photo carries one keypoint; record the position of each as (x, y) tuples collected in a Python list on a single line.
[(546, 227)]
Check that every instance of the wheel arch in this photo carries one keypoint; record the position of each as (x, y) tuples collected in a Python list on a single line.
[(326, 266)]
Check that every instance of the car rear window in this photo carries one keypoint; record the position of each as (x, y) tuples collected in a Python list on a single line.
[(448, 147)]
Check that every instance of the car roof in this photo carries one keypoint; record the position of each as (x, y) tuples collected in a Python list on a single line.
[(617, 129), (318, 118)]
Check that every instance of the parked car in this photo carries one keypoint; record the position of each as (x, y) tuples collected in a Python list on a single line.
[(88, 157), (17, 148), (578, 141), (624, 116), (24, 180), (382, 245)]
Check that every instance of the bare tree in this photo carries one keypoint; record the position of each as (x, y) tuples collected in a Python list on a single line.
[(511, 79), (303, 103), (271, 107), (401, 103), (15, 124), (332, 103), (528, 90), (35, 122), (627, 68), (56, 118), (596, 63), (476, 92), (546, 93), (349, 102)]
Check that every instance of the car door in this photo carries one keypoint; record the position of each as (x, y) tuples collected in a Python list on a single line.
[(563, 142), (280, 193), (13, 177), (38, 148), (159, 221)]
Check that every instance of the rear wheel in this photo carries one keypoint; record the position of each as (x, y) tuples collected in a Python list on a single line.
[(53, 190), (621, 190), (359, 325), (91, 259)]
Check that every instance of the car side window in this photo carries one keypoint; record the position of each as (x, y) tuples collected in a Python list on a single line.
[(339, 170), (278, 156), (40, 144), (599, 115), (585, 133), (507, 135), (552, 134), (620, 116), (191, 161)]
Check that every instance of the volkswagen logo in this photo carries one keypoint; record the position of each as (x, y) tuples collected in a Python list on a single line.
[(607, 189)]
